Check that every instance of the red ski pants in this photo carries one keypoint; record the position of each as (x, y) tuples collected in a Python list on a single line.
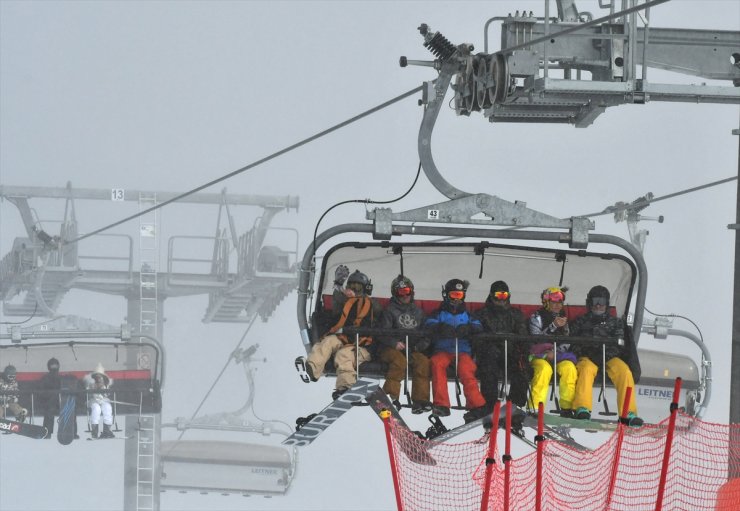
[(465, 373)]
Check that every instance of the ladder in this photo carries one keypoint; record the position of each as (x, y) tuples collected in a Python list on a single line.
[(149, 263), (148, 320), (145, 468)]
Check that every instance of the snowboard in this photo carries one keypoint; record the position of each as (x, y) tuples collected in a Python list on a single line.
[(23, 429), (326, 417), (67, 412)]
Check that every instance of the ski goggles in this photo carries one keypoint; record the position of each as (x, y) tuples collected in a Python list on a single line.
[(404, 291), (598, 300), (555, 296), (501, 295), (456, 295)]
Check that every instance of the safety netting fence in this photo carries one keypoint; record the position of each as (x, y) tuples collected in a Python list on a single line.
[(631, 470)]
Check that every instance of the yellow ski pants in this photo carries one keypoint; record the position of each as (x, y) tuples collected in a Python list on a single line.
[(567, 376), (618, 372)]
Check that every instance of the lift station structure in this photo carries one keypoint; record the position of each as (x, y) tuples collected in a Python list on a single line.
[(244, 278)]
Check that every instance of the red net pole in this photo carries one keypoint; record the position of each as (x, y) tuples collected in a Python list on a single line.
[(668, 445), (620, 439), (489, 459), (507, 457), (386, 416), (540, 453)]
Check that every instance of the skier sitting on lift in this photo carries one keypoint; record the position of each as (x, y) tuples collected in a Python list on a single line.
[(551, 320), (99, 402), (403, 314), (598, 323), (499, 317), (357, 309), (450, 327), (9, 400), (51, 383)]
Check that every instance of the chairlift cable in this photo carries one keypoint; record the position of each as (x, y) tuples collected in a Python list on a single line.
[(251, 165), (615, 209)]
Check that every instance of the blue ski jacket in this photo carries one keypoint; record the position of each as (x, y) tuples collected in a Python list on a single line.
[(455, 320)]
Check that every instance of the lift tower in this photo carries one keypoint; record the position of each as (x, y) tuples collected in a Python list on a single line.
[(242, 275)]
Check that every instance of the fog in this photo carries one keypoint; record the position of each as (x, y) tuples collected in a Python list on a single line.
[(167, 96)]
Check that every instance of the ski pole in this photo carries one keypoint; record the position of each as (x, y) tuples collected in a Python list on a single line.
[(602, 395), (504, 385), (357, 357), (87, 405), (555, 376), (457, 376), (115, 413), (406, 381)]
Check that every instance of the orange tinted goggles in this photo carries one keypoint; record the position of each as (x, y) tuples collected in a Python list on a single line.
[(501, 295), (404, 291), (456, 295)]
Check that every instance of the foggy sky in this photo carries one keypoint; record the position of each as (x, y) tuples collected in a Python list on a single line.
[(169, 95)]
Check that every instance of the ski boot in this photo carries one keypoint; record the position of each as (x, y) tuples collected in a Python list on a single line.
[(21, 417), (441, 411), (338, 392), (475, 414), (107, 433), (634, 421), (583, 413), (94, 431), (421, 407)]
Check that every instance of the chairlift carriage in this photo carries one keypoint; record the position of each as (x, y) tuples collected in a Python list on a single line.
[(527, 270), (229, 464), (81, 345), (506, 86)]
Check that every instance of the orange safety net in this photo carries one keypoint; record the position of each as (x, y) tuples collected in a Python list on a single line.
[(448, 477)]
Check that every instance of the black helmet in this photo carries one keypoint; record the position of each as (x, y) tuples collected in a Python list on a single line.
[(499, 285), (9, 371), (499, 295), (360, 278), (597, 292), (401, 282), (455, 285), (53, 362)]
